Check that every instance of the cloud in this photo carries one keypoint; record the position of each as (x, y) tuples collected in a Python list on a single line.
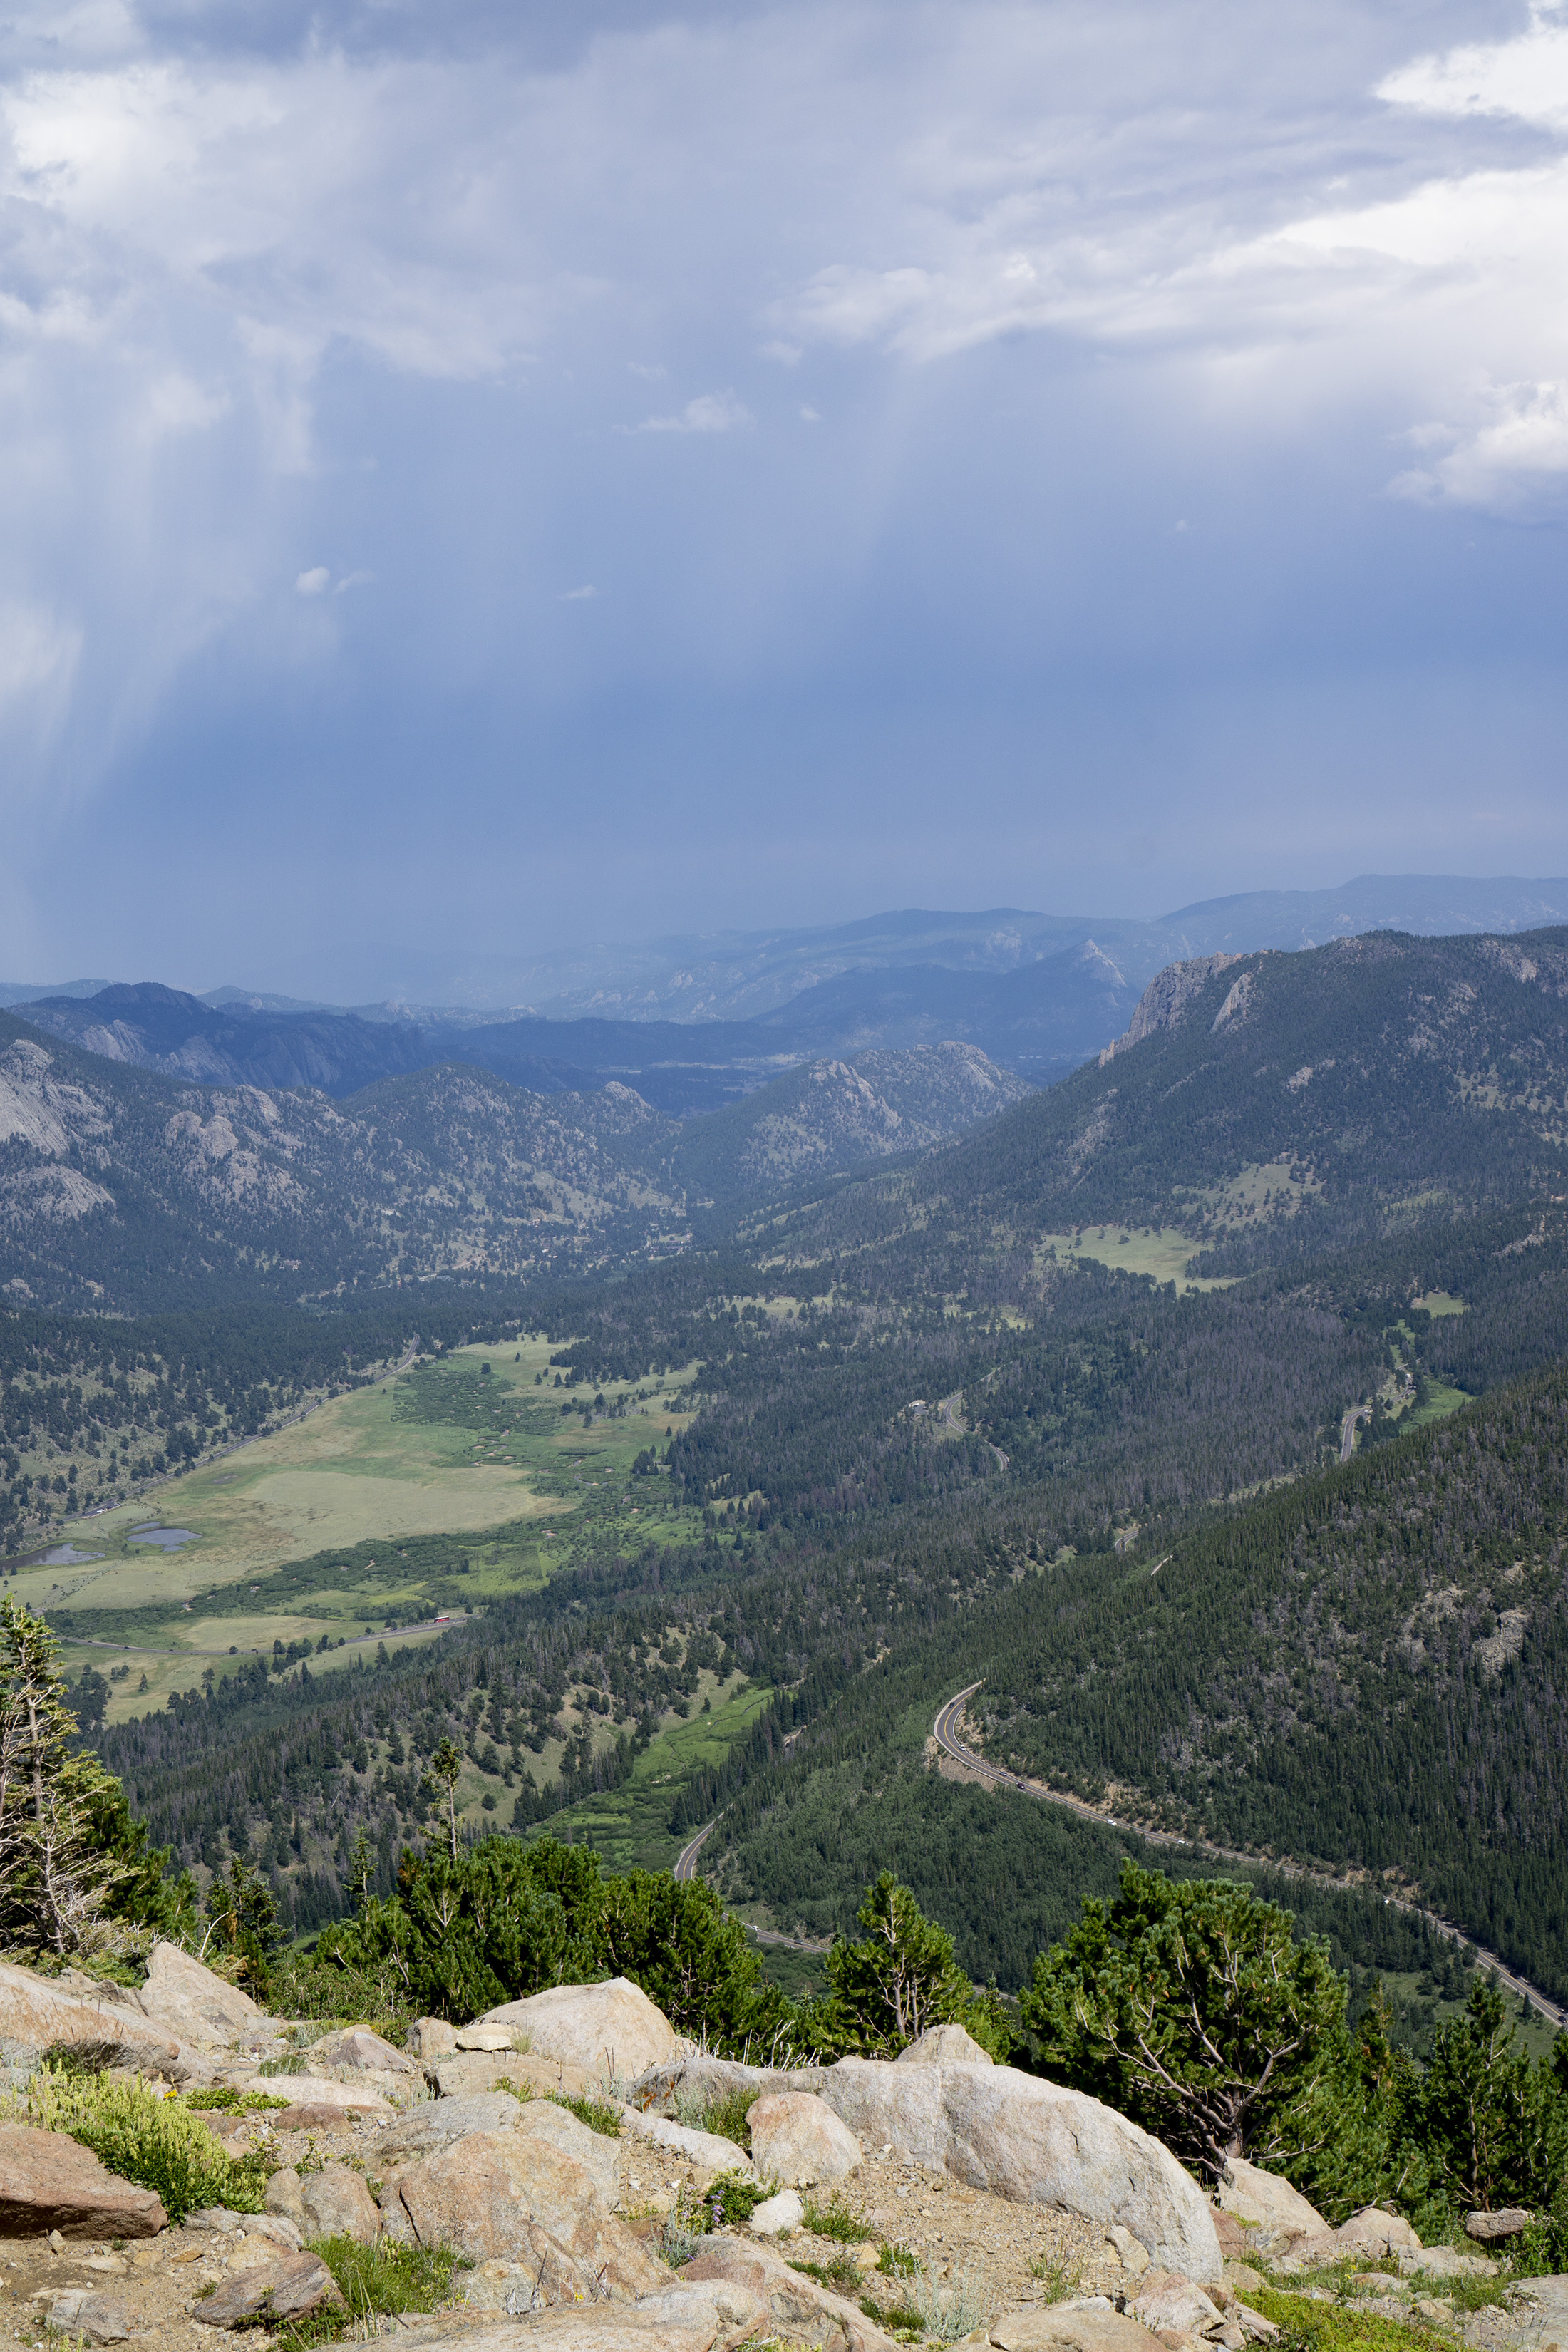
[(315, 583), (1512, 461), (576, 595), (710, 412)]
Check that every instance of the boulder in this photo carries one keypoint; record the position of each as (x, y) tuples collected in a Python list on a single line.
[(1233, 2241), (441, 2122), (356, 2048), (1164, 2301), (709, 2150), (319, 2115), (319, 2091), (1490, 2227), (1017, 2136), (701, 2078), (38, 2021), (285, 2196), (77, 2312), (339, 2205), (431, 2037), (777, 2216), (482, 2194), (1243, 2279), (1132, 2252), (288, 2286), (466, 2070), (1445, 2262), (944, 2046), (196, 2004), (274, 2229), (675, 2318), (487, 2037), (794, 2304), (49, 2181), (1062, 2327), (796, 2138), (611, 2029), (599, 2156), (1375, 2233), (1254, 2195)]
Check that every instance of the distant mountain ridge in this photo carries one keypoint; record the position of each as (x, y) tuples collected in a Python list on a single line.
[(129, 1189)]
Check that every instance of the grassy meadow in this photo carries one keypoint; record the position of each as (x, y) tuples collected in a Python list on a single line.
[(457, 1482)]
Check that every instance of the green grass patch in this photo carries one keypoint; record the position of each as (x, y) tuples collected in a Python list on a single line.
[(1306, 2327), (841, 2274), (375, 2283), (631, 1825), (156, 2142), (835, 2220), (722, 2112), (222, 2098), (596, 2114)]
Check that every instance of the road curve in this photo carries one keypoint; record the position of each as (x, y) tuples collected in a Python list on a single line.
[(1347, 1429), (686, 1860), (945, 1732)]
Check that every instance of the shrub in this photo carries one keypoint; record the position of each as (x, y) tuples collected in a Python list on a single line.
[(156, 2142), (725, 2112), (835, 2220)]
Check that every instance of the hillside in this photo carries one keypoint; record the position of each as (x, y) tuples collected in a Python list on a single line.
[(122, 1187), (1272, 1103)]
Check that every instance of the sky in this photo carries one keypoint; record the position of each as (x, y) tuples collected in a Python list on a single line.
[(482, 476)]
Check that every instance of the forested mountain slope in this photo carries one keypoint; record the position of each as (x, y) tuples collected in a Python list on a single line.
[(1276, 1103), (123, 1188)]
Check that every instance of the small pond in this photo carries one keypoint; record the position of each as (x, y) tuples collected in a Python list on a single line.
[(166, 1538), (62, 1556)]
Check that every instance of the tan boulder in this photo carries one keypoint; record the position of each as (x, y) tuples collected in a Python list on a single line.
[(1034, 2142), (466, 2071), (439, 2123), (797, 2139), (286, 2286), (356, 2049), (792, 2302), (709, 2151), (285, 2196), (675, 2318), (1062, 2327), (944, 2046), (1376, 2232), (480, 2194), (39, 2020), (338, 2205), (431, 2037), (610, 2030), (599, 2156), (1506, 2222), (1252, 2194), (197, 2004), (486, 2037), (1163, 2301), (49, 2181)]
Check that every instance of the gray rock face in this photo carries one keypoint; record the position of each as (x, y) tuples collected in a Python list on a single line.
[(713, 2078), (50, 2182), (600, 2157), (1065, 2328), (339, 2205), (285, 2197), (1034, 2142), (709, 2149), (793, 2303), (198, 2005), (37, 2020), (431, 2037), (797, 2139), (441, 2122), (1487, 2227), (678, 2317), (77, 2312)]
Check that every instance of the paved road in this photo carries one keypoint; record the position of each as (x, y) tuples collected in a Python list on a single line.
[(1347, 1429), (945, 1730), (686, 1860)]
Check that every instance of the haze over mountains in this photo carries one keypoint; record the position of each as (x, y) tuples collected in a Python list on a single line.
[(692, 1024)]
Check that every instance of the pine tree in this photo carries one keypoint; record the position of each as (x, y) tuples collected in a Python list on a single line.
[(57, 1872)]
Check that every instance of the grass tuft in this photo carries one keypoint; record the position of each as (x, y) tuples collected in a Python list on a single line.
[(594, 2113), (1055, 2277), (835, 2220)]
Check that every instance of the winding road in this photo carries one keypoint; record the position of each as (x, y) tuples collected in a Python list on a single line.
[(1347, 1429), (686, 1860), (946, 1733)]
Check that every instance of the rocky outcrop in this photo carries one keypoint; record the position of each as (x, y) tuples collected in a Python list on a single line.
[(796, 2306), (1489, 2228), (611, 2029), (196, 2004), (944, 2046), (431, 2037), (320, 2091), (77, 2312), (441, 2123), (676, 2318), (466, 2071), (50, 2182), (1033, 2142), (796, 2138), (484, 2195), (39, 2020), (1164, 1002), (1254, 2195)]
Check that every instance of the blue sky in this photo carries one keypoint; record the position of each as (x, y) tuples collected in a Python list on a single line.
[(480, 477)]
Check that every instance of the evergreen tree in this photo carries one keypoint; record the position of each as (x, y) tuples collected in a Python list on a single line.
[(57, 1871), (900, 1980)]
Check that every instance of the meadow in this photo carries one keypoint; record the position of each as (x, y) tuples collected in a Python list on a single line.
[(386, 1514)]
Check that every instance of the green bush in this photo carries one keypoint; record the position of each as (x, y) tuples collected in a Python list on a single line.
[(595, 2112), (835, 2220), (222, 2098), (1307, 2327), (156, 2142)]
